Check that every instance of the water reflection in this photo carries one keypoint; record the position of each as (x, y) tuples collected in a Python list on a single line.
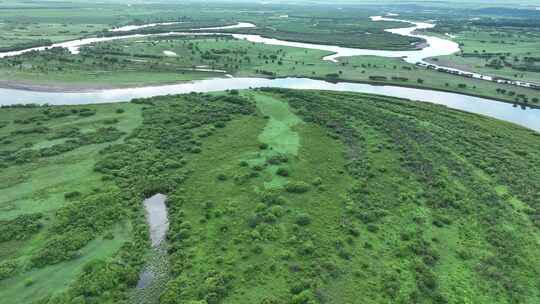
[(155, 273), (525, 117)]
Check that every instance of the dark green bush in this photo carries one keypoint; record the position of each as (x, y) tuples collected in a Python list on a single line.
[(20, 228), (303, 219), (283, 172), (297, 187)]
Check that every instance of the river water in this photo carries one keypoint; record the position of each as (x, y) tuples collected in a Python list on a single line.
[(527, 117), (435, 46), (74, 45)]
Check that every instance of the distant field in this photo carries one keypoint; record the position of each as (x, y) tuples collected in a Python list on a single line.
[(36, 23), (135, 62), (139, 62), (508, 53)]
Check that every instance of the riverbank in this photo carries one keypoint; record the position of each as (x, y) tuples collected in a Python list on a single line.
[(62, 87), (97, 88), (524, 116), (434, 46), (420, 87)]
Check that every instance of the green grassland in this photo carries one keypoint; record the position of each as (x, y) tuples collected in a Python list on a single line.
[(343, 28), (137, 62), (47, 166), (44, 23), (274, 196), (34, 23), (508, 53), (497, 41)]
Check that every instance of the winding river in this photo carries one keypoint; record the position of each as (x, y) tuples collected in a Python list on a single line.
[(527, 117), (436, 47), (155, 272)]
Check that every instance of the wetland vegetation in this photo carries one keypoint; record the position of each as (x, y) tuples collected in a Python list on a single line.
[(272, 195), (159, 60), (310, 197)]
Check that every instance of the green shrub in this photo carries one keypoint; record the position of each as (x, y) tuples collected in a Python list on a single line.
[(20, 228), (306, 248), (7, 268), (72, 195), (283, 172), (305, 297), (29, 282), (219, 124), (372, 228), (86, 112), (195, 150), (258, 168), (299, 286), (297, 187), (110, 121), (277, 159), (303, 219)]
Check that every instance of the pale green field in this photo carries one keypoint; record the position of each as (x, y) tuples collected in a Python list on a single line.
[(513, 44), (136, 62), (41, 187)]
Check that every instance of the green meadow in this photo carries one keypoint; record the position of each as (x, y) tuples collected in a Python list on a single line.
[(274, 196)]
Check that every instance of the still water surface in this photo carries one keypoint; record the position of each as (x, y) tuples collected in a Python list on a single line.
[(155, 273), (525, 117)]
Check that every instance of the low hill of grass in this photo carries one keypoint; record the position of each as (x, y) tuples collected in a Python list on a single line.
[(273, 196)]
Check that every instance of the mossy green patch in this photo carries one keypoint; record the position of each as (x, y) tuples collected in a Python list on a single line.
[(38, 283), (278, 133)]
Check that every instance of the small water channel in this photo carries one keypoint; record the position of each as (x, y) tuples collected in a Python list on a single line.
[(155, 273)]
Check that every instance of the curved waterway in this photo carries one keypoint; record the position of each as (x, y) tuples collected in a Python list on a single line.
[(156, 270), (435, 46), (527, 117), (74, 45)]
